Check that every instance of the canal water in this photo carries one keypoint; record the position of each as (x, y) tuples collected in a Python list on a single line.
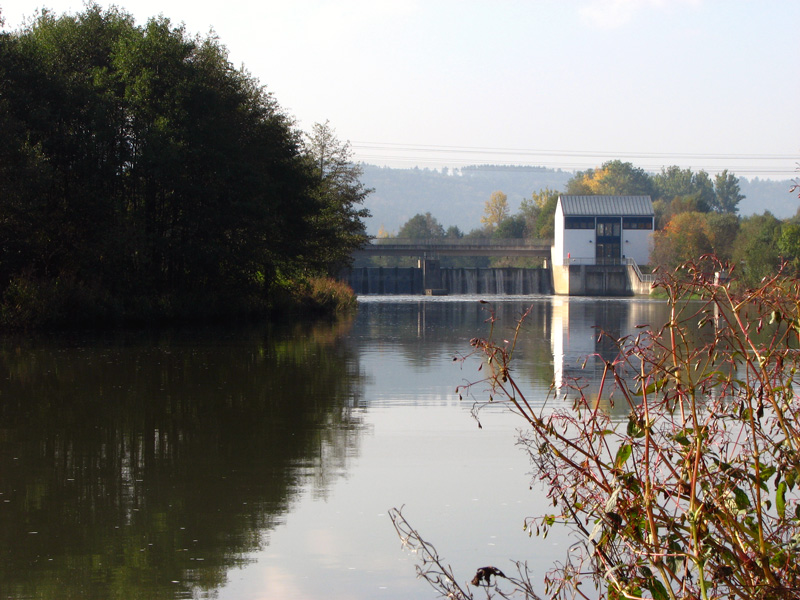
[(261, 463)]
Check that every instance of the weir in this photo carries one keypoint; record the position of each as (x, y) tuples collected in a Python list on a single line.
[(461, 280)]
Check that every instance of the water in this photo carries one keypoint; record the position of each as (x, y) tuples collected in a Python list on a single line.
[(261, 463)]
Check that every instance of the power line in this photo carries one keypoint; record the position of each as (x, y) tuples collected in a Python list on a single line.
[(440, 155), (576, 153)]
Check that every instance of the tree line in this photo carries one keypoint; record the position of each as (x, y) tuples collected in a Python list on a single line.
[(142, 176), (695, 214)]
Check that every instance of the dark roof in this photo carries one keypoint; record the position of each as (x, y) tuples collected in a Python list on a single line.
[(606, 206)]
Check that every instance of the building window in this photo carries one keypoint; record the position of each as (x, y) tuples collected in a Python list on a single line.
[(637, 222), (578, 222), (608, 228)]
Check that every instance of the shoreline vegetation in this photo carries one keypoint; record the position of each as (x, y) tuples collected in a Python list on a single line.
[(30, 306), (695, 494), (144, 180)]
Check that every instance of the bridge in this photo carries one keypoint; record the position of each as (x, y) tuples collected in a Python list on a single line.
[(436, 247)]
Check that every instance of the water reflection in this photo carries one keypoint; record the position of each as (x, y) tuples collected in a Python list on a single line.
[(580, 352), (147, 468), (152, 466)]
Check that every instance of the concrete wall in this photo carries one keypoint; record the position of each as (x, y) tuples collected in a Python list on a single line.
[(598, 280), (409, 280)]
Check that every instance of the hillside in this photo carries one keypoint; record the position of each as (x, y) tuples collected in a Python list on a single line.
[(453, 197), (457, 197)]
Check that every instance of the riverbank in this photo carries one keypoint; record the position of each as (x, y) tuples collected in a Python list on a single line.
[(63, 305)]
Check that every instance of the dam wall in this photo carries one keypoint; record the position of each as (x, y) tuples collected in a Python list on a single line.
[(462, 280)]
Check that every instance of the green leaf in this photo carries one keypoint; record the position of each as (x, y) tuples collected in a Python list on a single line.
[(780, 499), (623, 454), (682, 440), (635, 429), (790, 477), (741, 499), (657, 589)]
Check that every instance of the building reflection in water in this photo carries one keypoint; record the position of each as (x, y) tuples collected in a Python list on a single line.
[(580, 352)]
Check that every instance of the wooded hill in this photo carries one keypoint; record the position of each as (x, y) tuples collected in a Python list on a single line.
[(458, 197)]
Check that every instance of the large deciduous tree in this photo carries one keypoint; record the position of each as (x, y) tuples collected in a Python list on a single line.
[(495, 211), (756, 247), (139, 168), (338, 227), (726, 193), (421, 227), (612, 178), (686, 237)]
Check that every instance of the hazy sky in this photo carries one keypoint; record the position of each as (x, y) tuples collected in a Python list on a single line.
[(700, 83)]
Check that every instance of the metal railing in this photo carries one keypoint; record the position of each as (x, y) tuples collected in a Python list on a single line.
[(460, 242), (644, 278)]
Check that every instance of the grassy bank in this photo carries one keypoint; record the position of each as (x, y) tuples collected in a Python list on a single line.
[(63, 304)]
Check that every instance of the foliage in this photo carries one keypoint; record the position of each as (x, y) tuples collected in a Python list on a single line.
[(695, 493), (723, 229), (688, 235), (614, 177), (789, 244), (540, 212), (755, 248), (421, 227), (510, 227), (139, 166), (326, 295), (339, 227), (726, 193), (495, 211)]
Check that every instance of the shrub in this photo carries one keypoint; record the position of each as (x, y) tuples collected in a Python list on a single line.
[(695, 493)]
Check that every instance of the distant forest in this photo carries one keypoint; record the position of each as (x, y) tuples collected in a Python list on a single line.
[(456, 197)]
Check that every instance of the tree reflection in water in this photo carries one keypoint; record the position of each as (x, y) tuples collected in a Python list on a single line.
[(148, 466)]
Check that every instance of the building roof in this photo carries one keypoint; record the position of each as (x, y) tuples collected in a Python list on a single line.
[(606, 206)]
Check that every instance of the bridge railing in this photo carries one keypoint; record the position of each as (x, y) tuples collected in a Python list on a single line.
[(445, 242)]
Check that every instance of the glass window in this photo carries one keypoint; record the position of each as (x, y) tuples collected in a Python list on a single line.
[(637, 222), (578, 222)]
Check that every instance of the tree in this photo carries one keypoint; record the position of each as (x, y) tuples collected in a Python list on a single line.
[(680, 190), (686, 237), (140, 169), (421, 227), (540, 214), (454, 233), (675, 182), (755, 249), (613, 178), (510, 227), (727, 194), (789, 244), (338, 228), (723, 230), (495, 211)]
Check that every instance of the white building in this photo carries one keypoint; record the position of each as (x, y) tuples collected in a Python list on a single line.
[(602, 230)]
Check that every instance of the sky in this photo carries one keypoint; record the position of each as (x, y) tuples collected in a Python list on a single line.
[(570, 84)]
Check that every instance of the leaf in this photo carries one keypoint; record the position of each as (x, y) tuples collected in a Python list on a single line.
[(780, 499), (623, 454), (682, 439), (790, 477), (741, 499), (635, 429), (657, 589), (766, 472)]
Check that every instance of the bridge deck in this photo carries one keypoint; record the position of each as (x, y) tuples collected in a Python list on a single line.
[(458, 247)]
